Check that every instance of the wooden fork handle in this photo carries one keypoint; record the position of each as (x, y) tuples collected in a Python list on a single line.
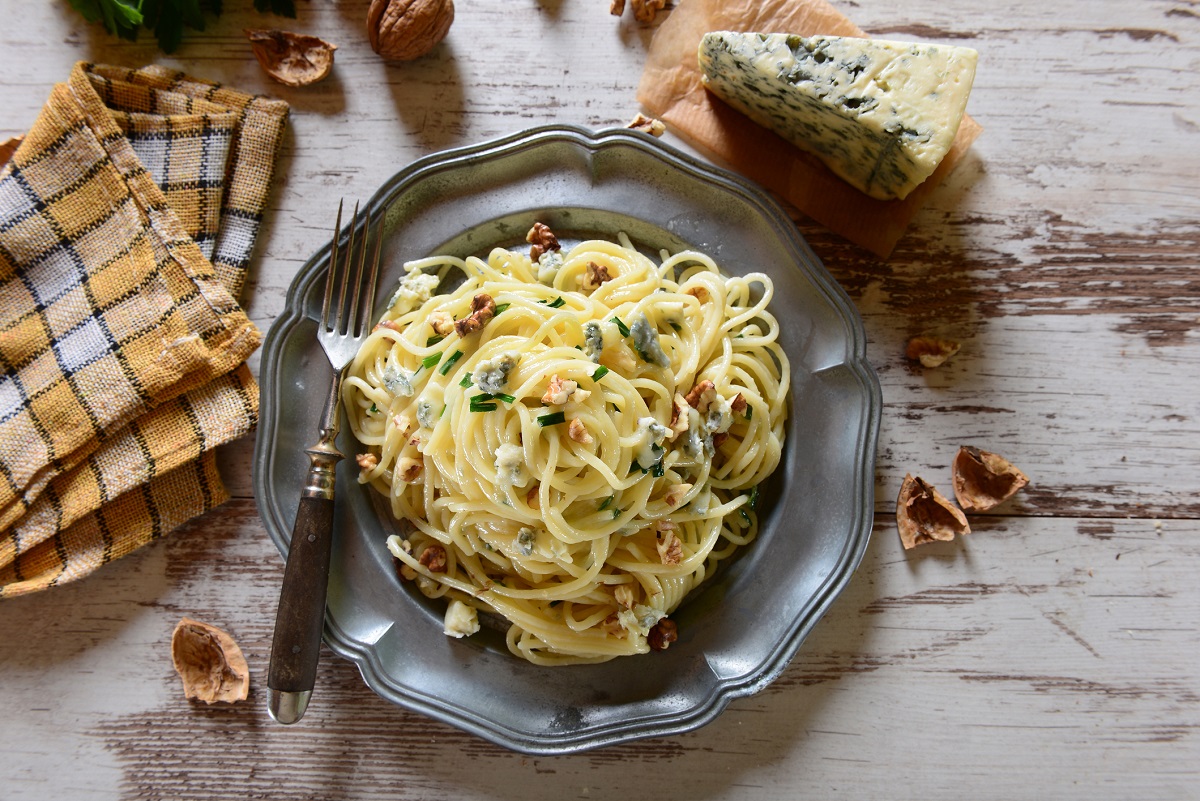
[(301, 615)]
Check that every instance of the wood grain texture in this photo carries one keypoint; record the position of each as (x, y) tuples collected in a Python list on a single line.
[(1052, 653)]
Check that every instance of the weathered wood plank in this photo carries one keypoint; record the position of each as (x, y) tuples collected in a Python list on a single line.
[(982, 667)]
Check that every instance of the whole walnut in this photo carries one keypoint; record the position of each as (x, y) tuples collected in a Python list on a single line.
[(402, 30)]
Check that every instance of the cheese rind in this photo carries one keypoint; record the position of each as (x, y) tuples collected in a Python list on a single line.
[(880, 114)]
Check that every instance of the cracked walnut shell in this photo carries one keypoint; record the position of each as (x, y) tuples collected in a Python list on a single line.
[(983, 480), (209, 662), (293, 59), (924, 515), (930, 351), (403, 30)]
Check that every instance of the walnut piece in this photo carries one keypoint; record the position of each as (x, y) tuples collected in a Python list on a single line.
[(408, 468), (616, 7), (930, 351), (626, 595), (434, 558), (596, 275), (578, 432), (558, 391), (983, 480), (403, 30), (670, 548), (676, 493), (483, 308), (679, 416), (542, 239), (699, 293), (647, 125), (924, 515), (647, 10), (696, 398), (442, 322), (209, 662), (293, 59), (662, 635), (367, 461)]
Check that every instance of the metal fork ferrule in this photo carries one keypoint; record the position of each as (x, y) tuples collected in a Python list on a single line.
[(323, 458)]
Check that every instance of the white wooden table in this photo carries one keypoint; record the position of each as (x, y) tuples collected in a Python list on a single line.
[(1054, 653)]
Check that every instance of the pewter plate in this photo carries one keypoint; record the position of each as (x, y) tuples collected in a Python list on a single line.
[(738, 631)]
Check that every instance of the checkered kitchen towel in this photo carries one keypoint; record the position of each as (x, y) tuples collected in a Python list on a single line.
[(127, 219)]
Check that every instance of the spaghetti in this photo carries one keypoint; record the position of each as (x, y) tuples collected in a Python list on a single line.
[(574, 437)]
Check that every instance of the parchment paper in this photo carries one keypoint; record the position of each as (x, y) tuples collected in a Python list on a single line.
[(670, 89)]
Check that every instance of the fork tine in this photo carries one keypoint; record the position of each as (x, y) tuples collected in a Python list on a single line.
[(352, 325), (329, 277), (373, 280), (345, 279)]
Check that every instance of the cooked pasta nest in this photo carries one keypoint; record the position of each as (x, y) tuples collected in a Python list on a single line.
[(574, 441)]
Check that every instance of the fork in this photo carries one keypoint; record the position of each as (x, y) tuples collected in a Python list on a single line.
[(345, 321)]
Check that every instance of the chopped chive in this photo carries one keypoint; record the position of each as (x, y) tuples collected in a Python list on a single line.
[(552, 419), (616, 513), (429, 343), (636, 466), (600, 372), (450, 362), (624, 329), (482, 403), (501, 308), (430, 361), (556, 303), (374, 409), (657, 470), (442, 412), (749, 411), (506, 398), (605, 503), (466, 381), (745, 516), (754, 496)]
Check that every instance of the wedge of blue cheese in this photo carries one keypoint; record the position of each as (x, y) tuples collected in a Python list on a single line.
[(880, 114)]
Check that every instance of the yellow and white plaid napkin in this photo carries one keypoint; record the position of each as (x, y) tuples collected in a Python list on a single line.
[(127, 219)]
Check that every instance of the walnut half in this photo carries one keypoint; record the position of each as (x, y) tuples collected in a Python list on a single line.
[(930, 351), (404, 30), (924, 515), (293, 59), (209, 662), (983, 480)]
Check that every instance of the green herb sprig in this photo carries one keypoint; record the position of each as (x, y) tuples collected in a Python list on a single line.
[(166, 18)]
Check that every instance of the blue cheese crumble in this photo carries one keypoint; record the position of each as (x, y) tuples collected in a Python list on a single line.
[(510, 466), (548, 265), (492, 374), (647, 445), (645, 341), (461, 620), (414, 289), (397, 381)]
